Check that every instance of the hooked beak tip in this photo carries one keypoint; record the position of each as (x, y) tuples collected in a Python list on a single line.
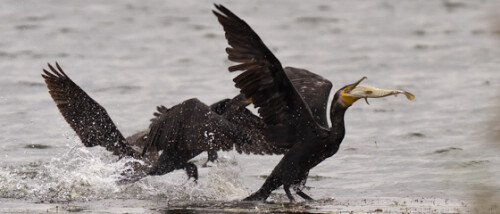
[(352, 86)]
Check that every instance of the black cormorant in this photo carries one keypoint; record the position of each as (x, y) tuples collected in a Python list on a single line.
[(239, 121), (183, 131), (194, 124), (295, 117)]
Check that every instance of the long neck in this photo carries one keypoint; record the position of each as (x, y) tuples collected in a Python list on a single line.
[(337, 131)]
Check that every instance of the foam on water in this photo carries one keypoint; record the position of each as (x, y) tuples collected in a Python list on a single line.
[(83, 174)]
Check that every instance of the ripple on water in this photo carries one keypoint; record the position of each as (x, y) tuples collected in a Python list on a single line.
[(447, 150), (37, 146), (471, 164), (122, 89), (39, 18), (416, 135), (316, 20), (26, 27), (31, 83), (337, 205)]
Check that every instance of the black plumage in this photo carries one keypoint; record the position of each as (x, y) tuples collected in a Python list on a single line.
[(187, 129), (181, 132), (184, 131), (293, 110), (86, 117)]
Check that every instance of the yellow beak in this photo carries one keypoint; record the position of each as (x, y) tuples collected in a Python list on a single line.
[(346, 96)]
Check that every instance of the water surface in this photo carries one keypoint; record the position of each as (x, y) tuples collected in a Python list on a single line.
[(433, 154)]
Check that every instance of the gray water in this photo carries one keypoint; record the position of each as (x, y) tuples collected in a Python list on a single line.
[(433, 154)]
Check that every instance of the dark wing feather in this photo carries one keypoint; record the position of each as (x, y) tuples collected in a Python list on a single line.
[(264, 80), (235, 111), (314, 89), (255, 128), (192, 126), (88, 119)]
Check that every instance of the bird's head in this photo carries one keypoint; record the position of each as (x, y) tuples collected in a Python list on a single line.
[(344, 98), (225, 105)]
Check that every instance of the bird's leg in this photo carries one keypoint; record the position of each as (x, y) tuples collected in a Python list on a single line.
[(299, 185), (263, 193), (205, 165), (303, 195), (288, 194), (192, 171), (212, 157), (257, 196)]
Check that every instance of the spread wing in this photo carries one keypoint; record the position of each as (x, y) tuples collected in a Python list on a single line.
[(88, 119), (192, 126), (314, 89), (264, 80)]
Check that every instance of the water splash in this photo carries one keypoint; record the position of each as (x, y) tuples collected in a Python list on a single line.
[(83, 174)]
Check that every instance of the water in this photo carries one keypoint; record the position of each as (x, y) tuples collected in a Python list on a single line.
[(433, 154)]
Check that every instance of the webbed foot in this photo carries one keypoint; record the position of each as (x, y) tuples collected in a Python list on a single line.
[(304, 196)]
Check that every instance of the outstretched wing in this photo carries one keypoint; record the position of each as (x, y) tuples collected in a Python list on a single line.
[(192, 126), (314, 89), (88, 119), (264, 80)]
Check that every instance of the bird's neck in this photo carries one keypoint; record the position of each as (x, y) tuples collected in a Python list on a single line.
[(337, 131)]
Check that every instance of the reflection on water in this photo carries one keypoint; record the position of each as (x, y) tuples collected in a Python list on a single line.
[(341, 205), (239, 207)]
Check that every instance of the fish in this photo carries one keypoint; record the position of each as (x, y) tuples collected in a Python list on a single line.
[(372, 92)]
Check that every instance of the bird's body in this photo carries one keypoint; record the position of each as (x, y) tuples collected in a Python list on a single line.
[(186, 130), (191, 124), (295, 116), (305, 154), (182, 132)]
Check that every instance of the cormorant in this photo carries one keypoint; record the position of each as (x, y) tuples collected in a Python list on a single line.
[(165, 134), (295, 117), (195, 124)]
